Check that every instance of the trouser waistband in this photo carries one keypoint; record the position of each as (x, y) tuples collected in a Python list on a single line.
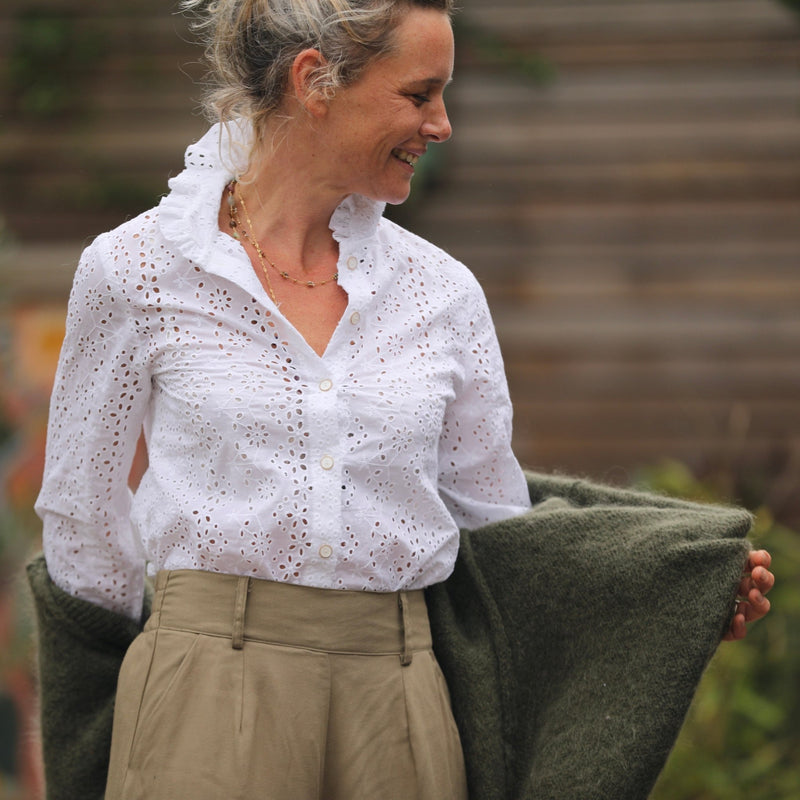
[(252, 609)]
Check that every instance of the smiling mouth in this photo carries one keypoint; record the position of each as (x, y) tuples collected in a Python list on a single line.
[(404, 155)]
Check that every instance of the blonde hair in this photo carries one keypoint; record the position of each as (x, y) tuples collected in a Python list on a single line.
[(251, 46)]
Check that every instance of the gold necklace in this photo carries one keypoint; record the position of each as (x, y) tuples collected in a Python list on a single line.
[(235, 224)]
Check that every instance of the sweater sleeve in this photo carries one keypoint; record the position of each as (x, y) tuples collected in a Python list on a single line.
[(99, 399), (578, 691), (80, 648), (480, 479)]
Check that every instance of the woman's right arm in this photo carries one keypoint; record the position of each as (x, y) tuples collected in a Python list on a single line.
[(100, 394)]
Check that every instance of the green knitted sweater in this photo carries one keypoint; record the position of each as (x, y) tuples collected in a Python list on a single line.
[(572, 639)]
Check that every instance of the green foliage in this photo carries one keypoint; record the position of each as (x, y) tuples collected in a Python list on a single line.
[(793, 4), (492, 49), (49, 61), (741, 740), (104, 190)]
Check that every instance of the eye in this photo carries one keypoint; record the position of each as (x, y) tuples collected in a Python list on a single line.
[(420, 99)]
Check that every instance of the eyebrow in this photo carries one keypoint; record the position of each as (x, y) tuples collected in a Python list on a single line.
[(435, 81)]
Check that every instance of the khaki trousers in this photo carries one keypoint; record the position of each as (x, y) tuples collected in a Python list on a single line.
[(243, 688)]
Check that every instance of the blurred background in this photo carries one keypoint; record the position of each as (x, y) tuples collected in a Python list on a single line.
[(624, 179)]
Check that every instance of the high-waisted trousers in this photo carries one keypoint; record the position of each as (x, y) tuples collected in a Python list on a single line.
[(245, 688)]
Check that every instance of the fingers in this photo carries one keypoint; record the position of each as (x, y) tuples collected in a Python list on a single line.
[(759, 558), (762, 579), (756, 581), (756, 574), (738, 626), (755, 607)]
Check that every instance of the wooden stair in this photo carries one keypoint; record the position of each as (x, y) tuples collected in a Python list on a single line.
[(128, 72), (635, 221), (636, 226)]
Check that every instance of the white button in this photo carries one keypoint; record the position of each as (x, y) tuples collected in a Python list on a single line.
[(326, 551), (326, 462), (355, 318), (326, 385), (352, 262)]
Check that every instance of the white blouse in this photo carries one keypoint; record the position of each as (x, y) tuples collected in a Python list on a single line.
[(352, 470)]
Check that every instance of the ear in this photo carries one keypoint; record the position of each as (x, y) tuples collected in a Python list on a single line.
[(303, 78)]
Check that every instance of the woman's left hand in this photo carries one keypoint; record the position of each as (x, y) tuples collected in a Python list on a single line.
[(751, 603)]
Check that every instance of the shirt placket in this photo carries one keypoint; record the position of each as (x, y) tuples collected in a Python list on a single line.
[(327, 456), (325, 473)]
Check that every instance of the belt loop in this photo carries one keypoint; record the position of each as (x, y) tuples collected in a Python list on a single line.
[(405, 628), (160, 589), (239, 606)]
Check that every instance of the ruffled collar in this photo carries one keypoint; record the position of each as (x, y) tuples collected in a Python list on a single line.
[(188, 215)]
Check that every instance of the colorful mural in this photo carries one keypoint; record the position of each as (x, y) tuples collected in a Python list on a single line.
[(30, 338)]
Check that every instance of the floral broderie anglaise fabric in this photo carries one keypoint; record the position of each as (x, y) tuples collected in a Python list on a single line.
[(351, 470)]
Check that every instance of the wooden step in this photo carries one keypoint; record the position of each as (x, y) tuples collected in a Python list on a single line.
[(645, 335), (652, 379), (585, 35), (637, 262), (619, 460), (654, 94), (612, 141), (630, 19), (689, 179), (615, 222), (589, 56), (598, 418), (753, 297)]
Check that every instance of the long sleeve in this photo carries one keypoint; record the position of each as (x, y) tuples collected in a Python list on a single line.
[(398, 433), (574, 636), (98, 403), (479, 476)]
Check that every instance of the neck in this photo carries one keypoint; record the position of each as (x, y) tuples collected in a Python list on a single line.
[(289, 204)]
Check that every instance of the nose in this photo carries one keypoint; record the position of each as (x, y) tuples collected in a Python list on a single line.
[(436, 125)]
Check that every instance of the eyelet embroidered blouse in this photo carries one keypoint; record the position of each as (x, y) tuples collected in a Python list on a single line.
[(352, 470)]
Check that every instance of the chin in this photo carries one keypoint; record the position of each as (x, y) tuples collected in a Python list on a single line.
[(391, 195), (396, 198)]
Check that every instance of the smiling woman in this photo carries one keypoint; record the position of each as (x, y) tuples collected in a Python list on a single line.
[(324, 405), (251, 46), (388, 117)]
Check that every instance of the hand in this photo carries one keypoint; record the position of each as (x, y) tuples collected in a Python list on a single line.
[(751, 603)]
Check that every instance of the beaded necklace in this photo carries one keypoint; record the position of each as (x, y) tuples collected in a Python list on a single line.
[(238, 231)]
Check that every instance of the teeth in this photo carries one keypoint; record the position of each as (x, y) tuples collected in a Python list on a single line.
[(409, 158)]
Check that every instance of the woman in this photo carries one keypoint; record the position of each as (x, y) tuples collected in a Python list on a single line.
[(324, 406)]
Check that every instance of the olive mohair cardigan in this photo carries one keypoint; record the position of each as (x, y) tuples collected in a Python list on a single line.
[(572, 638)]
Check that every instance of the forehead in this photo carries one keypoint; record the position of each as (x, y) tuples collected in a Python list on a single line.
[(422, 44)]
